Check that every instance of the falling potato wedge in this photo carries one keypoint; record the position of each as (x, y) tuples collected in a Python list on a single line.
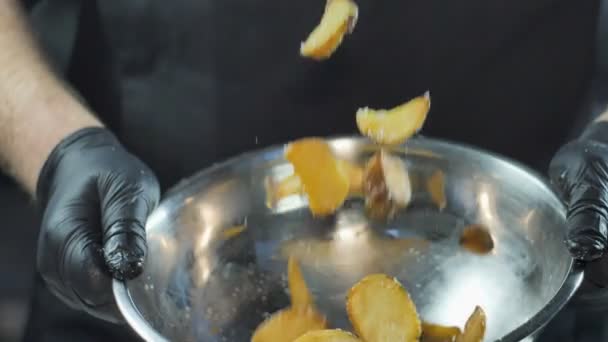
[(394, 126), (435, 186), (355, 177), (439, 333), (377, 202), (476, 238), (475, 328), (301, 299), (380, 310), (330, 335), (232, 232), (396, 178), (323, 179), (277, 190), (386, 185), (288, 324), (292, 185), (339, 18)]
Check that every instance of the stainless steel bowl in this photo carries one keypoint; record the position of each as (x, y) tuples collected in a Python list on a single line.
[(204, 282)]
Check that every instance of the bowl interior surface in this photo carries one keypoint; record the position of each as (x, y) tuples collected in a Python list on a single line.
[(206, 280)]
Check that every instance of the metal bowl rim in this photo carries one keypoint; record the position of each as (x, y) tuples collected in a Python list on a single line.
[(567, 290)]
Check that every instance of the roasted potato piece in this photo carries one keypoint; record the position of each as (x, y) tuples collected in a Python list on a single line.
[(397, 179), (377, 201), (276, 191), (355, 177), (435, 186), (475, 328), (476, 238), (301, 298), (394, 126), (289, 324), (301, 317), (386, 185), (339, 18), (233, 231), (291, 185), (323, 178), (438, 333), (335, 335), (380, 310)]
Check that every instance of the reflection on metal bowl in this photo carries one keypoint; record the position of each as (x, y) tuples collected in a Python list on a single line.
[(208, 281)]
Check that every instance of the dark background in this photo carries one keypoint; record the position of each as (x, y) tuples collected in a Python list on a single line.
[(17, 258)]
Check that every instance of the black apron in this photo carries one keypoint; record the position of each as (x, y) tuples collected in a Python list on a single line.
[(188, 83)]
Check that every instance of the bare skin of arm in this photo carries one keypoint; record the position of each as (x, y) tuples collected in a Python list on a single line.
[(36, 109)]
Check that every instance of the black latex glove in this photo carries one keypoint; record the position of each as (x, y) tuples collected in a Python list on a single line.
[(580, 172), (96, 198)]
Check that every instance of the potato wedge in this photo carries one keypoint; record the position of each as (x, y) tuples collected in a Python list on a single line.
[(476, 238), (439, 333), (232, 232), (330, 335), (475, 328), (377, 202), (394, 126), (323, 179), (277, 190), (292, 185), (380, 310), (301, 298), (397, 179), (339, 18), (435, 186), (288, 324), (355, 177), (386, 185)]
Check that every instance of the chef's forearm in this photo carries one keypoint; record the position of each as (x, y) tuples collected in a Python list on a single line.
[(36, 110)]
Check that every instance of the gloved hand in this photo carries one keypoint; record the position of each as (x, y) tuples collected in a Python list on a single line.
[(580, 172), (96, 197)]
